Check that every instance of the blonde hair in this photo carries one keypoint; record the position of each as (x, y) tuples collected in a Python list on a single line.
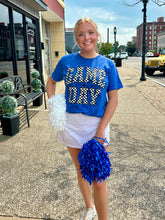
[(89, 20)]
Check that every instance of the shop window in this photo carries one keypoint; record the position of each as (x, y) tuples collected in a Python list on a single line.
[(19, 45), (6, 64)]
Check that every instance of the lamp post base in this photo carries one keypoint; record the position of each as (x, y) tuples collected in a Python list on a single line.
[(142, 79)]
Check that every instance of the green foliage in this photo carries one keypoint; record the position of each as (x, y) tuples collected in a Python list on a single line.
[(122, 48), (36, 83), (6, 87), (105, 48), (131, 49), (35, 74), (8, 105)]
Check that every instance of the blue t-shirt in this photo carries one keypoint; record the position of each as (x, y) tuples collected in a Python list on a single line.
[(87, 81)]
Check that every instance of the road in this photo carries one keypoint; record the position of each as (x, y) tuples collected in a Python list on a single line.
[(136, 63)]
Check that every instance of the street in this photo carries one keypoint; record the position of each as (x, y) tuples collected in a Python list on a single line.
[(136, 63)]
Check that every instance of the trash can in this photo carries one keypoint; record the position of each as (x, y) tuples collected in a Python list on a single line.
[(118, 62)]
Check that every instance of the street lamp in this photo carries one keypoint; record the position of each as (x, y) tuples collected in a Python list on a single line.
[(115, 31), (143, 78)]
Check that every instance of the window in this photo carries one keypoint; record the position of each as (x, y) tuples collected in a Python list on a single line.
[(19, 44), (6, 64)]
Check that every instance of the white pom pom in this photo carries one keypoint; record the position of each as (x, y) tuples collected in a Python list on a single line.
[(57, 114)]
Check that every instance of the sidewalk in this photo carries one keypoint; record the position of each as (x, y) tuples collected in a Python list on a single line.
[(38, 180)]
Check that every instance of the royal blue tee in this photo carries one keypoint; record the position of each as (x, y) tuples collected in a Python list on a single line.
[(87, 81)]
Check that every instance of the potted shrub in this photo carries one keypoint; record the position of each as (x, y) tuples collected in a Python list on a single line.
[(36, 84), (8, 105)]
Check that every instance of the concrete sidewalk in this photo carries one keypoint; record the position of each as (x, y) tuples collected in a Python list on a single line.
[(38, 179)]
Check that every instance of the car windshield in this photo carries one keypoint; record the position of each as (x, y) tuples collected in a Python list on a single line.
[(163, 52)]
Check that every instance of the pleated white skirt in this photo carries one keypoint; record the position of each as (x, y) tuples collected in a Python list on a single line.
[(79, 129)]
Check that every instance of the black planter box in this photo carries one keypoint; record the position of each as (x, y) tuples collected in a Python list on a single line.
[(10, 125), (38, 101)]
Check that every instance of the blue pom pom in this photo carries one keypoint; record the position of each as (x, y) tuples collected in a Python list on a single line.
[(94, 162)]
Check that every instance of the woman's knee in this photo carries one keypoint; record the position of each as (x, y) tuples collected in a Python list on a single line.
[(100, 186)]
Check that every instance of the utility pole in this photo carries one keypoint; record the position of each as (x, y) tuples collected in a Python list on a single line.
[(115, 32), (143, 78), (108, 35)]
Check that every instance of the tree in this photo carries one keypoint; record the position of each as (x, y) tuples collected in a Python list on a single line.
[(122, 48), (131, 49), (105, 48)]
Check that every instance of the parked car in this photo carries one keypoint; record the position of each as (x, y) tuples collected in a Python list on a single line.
[(156, 63), (111, 55), (156, 54), (122, 55), (149, 54)]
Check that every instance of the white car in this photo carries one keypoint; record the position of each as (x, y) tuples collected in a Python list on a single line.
[(149, 54), (122, 55)]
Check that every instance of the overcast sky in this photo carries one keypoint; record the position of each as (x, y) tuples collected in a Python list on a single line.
[(111, 13)]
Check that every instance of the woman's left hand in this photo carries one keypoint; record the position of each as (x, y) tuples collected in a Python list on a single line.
[(100, 134)]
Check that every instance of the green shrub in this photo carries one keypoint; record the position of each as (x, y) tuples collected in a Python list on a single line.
[(8, 104), (7, 87), (36, 83)]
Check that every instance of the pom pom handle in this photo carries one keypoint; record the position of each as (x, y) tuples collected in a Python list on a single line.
[(104, 139)]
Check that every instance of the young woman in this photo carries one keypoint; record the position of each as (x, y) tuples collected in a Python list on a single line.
[(92, 84)]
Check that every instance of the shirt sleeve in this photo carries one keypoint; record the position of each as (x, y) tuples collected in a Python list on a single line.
[(114, 79), (58, 73)]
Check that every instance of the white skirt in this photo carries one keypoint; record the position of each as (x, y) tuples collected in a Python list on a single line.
[(79, 129)]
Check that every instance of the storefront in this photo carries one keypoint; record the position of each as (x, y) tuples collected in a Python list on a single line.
[(20, 45)]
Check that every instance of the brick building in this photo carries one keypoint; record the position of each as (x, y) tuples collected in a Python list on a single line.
[(161, 41), (152, 30)]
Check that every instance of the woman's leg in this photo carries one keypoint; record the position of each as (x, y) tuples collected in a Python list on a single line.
[(85, 188), (101, 197)]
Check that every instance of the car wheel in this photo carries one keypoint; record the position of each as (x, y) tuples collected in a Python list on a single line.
[(150, 72)]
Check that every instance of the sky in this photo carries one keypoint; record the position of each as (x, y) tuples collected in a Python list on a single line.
[(110, 14)]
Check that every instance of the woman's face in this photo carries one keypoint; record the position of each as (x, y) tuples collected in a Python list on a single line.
[(87, 37)]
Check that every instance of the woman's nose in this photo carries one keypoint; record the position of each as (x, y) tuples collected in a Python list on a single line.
[(86, 35)]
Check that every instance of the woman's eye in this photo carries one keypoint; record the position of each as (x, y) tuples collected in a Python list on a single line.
[(91, 32), (80, 35)]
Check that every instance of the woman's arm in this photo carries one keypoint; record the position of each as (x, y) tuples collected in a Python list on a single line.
[(50, 87), (109, 110)]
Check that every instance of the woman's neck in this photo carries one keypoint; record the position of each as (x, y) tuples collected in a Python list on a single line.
[(88, 54)]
